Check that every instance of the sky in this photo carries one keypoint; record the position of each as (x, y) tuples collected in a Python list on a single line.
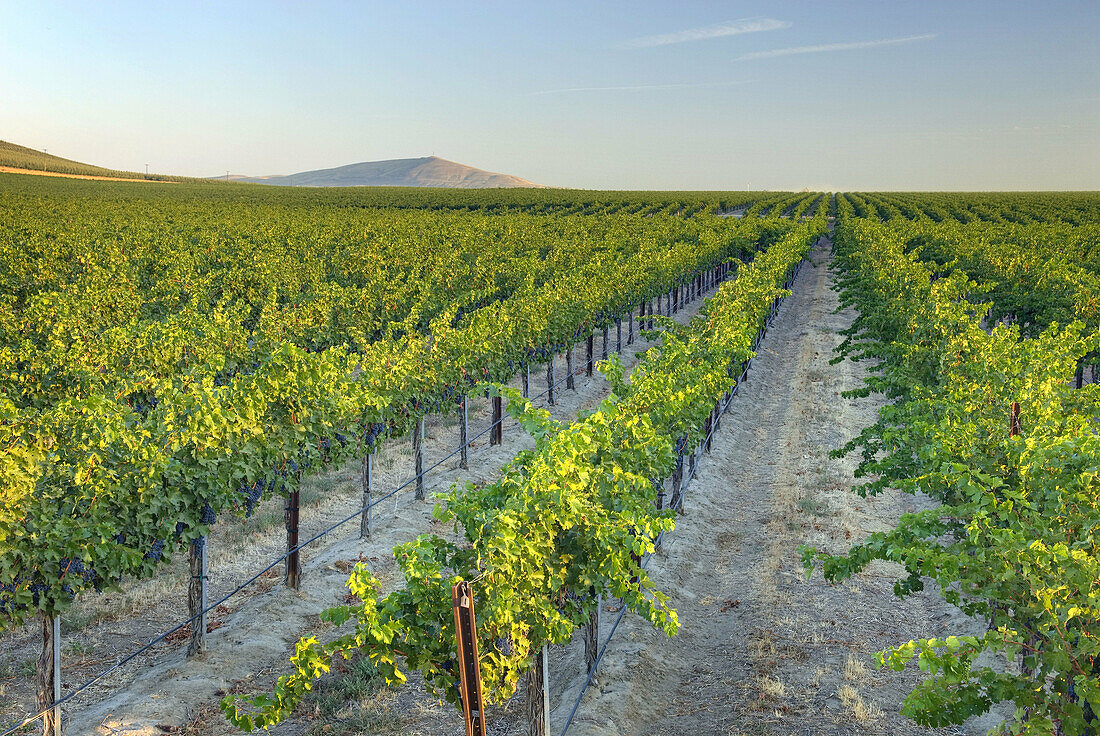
[(833, 95)]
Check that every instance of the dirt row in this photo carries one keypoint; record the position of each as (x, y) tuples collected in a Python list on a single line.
[(763, 650)]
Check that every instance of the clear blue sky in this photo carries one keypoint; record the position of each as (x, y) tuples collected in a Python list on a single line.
[(841, 95)]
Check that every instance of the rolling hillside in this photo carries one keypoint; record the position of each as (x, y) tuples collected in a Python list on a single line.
[(14, 156), (430, 171)]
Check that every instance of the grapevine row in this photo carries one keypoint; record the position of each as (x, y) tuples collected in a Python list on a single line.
[(564, 524), (985, 422)]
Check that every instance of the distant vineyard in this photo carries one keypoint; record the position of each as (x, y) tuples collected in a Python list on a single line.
[(20, 157)]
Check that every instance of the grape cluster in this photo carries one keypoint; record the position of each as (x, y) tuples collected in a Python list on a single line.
[(143, 402), (6, 594), (450, 392), (73, 567), (251, 493), (154, 553), (37, 590), (504, 645), (224, 377), (545, 352), (566, 597), (459, 314), (373, 432), (208, 515)]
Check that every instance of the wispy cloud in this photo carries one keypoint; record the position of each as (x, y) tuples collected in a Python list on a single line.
[(835, 47), (637, 87), (731, 28)]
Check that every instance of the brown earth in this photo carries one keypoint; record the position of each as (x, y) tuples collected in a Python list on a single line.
[(33, 172)]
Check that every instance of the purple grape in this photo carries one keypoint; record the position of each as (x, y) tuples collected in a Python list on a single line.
[(154, 553)]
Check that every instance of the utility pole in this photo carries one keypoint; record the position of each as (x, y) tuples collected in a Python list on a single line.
[(147, 169)]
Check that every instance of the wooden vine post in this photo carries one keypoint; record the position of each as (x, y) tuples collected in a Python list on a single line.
[(496, 435), (538, 695), (592, 636), (48, 676), (418, 457), (550, 381), (589, 356), (603, 353), (569, 369), (196, 596), (293, 575), (526, 380), (630, 327), (469, 669), (367, 480), (464, 433), (1014, 420), (677, 482), (618, 335), (715, 422)]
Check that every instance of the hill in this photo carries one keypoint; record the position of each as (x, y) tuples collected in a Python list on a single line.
[(20, 157), (430, 171)]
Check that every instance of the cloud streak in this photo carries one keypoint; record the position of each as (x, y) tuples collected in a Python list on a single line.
[(835, 47), (721, 30), (637, 87)]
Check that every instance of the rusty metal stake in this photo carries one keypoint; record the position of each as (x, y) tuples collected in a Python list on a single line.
[(469, 669)]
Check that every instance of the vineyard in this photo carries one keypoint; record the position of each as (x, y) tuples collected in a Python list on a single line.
[(416, 371)]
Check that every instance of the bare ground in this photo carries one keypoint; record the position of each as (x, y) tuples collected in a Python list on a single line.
[(36, 172)]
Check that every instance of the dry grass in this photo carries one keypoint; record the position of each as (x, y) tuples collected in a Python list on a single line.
[(854, 669), (761, 645), (770, 688), (860, 711)]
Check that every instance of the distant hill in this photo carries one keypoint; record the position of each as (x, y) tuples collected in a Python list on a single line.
[(21, 157), (430, 171)]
